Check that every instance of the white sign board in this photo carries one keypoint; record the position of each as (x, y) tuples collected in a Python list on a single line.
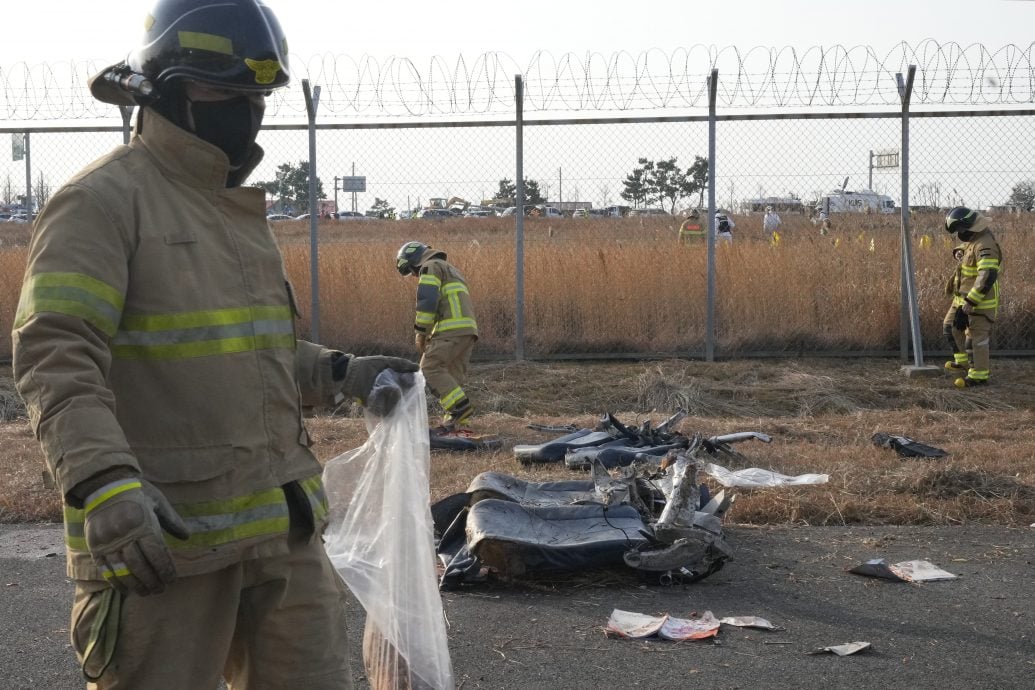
[(354, 184), (17, 146)]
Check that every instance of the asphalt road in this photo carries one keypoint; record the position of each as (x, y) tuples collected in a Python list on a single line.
[(976, 631)]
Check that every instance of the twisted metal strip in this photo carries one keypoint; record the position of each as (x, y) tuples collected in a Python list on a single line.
[(758, 78)]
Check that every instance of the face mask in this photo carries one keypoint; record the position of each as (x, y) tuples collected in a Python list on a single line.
[(231, 124), (965, 235)]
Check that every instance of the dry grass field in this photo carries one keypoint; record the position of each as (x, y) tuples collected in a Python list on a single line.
[(821, 414), (609, 286)]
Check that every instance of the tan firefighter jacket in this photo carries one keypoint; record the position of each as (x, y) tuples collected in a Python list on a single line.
[(444, 306), (156, 331), (980, 273)]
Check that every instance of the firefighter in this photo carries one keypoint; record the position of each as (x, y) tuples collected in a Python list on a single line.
[(968, 323), (724, 227), (771, 223), (155, 349), (691, 228), (445, 331)]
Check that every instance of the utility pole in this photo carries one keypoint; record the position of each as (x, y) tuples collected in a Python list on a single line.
[(336, 178), (560, 187), (353, 194)]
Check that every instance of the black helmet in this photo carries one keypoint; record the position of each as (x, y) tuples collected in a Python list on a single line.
[(960, 219), (234, 44), (409, 256)]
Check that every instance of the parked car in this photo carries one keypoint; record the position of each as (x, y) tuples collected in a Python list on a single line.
[(509, 211), (580, 213), (543, 211), (435, 213), (479, 213), (351, 215), (279, 216)]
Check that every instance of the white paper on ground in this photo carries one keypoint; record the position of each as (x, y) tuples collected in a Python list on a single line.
[(844, 649), (707, 625), (380, 538), (756, 477), (749, 622), (920, 571), (632, 624)]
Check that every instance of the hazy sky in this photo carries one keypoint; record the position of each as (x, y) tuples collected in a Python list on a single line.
[(47, 31)]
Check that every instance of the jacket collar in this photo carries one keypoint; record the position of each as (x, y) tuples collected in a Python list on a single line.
[(184, 156)]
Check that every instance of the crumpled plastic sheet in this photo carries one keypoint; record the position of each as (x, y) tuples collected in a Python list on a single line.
[(755, 477), (381, 541)]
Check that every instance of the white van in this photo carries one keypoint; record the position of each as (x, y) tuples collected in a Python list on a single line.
[(864, 201)]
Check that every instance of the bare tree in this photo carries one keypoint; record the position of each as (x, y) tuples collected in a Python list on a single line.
[(8, 191), (40, 191)]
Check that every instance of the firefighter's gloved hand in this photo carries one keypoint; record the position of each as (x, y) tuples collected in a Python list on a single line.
[(359, 381), (420, 340), (124, 524), (960, 320)]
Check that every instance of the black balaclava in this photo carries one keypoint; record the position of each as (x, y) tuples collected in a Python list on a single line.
[(965, 235), (231, 125)]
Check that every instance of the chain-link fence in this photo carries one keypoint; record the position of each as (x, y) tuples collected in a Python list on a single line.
[(635, 282)]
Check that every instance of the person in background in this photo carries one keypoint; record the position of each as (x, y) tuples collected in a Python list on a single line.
[(771, 223), (691, 228), (975, 303), (155, 348), (724, 227), (445, 331)]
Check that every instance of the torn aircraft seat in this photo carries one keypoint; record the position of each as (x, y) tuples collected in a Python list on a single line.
[(517, 540), (507, 488), (619, 456), (907, 447)]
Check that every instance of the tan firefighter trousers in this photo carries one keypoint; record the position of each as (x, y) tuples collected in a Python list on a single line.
[(263, 624), (444, 365)]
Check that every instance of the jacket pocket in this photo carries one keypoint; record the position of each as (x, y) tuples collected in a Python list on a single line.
[(174, 465), (95, 628)]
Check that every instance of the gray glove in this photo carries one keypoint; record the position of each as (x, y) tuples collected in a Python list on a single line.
[(124, 523), (359, 380)]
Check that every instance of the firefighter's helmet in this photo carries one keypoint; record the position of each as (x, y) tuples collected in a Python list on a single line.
[(233, 44), (960, 219), (409, 257)]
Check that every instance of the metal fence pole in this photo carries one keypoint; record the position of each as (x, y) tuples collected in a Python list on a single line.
[(519, 234), (312, 102), (709, 325), (127, 120), (28, 179), (905, 90)]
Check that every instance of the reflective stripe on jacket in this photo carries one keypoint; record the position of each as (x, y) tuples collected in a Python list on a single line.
[(155, 330), (444, 305)]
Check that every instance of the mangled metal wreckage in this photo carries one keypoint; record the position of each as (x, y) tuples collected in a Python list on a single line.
[(649, 513)]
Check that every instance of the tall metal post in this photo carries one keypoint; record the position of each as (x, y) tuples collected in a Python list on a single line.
[(312, 102), (905, 90), (127, 117), (870, 186), (709, 324), (519, 232), (28, 180), (336, 178)]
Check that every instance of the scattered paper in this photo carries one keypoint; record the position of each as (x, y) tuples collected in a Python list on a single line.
[(639, 625), (707, 625), (906, 571), (635, 625), (843, 649), (749, 622), (756, 477)]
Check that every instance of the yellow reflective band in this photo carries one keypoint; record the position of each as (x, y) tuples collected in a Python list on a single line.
[(452, 397), (454, 324), (314, 490), (72, 294), (121, 570), (115, 490), (209, 42), (985, 264), (225, 346), (428, 279), (197, 319), (425, 318), (213, 523), (450, 288)]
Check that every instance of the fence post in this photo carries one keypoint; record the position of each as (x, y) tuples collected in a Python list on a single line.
[(519, 234), (127, 115), (312, 102), (28, 179), (909, 297), (709, 324)]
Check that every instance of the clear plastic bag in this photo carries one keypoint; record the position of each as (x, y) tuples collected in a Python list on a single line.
[(381, 540)]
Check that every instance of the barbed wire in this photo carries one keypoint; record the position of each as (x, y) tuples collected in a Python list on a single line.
[(763, 78)]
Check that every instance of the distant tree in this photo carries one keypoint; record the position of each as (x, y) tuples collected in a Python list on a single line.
[(291, 185), (508, 190), (1023, 195), (697, 174), (40, 191), (383, 208), (7, 195), (635, 187), (664, 182)]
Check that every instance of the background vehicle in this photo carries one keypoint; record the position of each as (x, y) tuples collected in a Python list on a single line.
[(648, 212), (543, 211), (351, 215), (435, 213), (863, 201), (279, 216)]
